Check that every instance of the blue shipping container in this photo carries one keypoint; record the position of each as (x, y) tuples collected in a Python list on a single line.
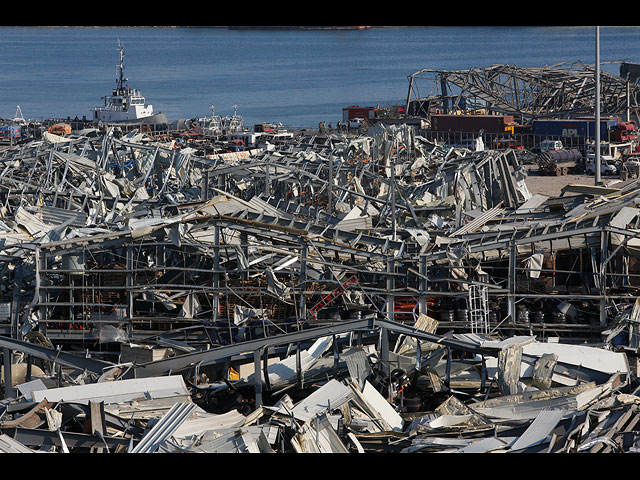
[(573, 127)]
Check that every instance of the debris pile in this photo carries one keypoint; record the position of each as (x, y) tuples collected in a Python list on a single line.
[(331, 293), (514, 395)]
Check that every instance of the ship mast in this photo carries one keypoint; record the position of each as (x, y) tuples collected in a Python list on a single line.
[(120, 80)]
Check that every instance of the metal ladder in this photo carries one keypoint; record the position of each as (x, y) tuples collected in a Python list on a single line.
[(478, 311), (329, 298)]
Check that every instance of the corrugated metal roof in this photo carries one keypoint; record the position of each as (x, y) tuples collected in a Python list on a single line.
[(357, 364), (260, 205), (478, 222), (76, 161), (9, 445), (539, 429), (28, 387), (162, 430), (58, 216)]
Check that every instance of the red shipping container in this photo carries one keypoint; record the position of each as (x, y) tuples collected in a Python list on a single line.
[(356, 111)]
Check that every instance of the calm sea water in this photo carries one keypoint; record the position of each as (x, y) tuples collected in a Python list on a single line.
[(298, 78)]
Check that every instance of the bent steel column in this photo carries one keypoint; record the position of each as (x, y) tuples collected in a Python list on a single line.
[(303, 281), (257, 376), (8, 381), (512, 283), (422, 304), (216, 274)]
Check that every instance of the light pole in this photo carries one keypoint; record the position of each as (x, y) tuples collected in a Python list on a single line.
[(597, 108)]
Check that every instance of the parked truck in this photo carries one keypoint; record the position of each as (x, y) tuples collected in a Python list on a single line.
[(560, 162), (607, 166)]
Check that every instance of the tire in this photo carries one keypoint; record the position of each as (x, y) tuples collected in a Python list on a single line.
[(411, 405)]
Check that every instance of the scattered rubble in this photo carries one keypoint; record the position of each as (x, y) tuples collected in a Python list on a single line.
[(371, 293)]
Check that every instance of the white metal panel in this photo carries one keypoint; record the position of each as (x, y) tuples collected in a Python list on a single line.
[(534, 202), (380, 405), (318, 436), (116, 391), (332, 394), (202, 422), (579, 355), (444, 421), (285, 370)]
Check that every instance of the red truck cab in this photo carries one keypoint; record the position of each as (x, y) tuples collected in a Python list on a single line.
[(625, 132)]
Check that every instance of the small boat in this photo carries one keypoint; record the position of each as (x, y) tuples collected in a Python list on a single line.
[(216, 125)]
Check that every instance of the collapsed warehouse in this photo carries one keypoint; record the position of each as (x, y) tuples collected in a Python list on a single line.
[(326, 294), (563, 90)]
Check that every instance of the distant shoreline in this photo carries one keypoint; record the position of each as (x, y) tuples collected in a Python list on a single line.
[(229, 27)]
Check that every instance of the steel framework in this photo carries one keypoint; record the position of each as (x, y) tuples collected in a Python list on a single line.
[(560, 90)]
